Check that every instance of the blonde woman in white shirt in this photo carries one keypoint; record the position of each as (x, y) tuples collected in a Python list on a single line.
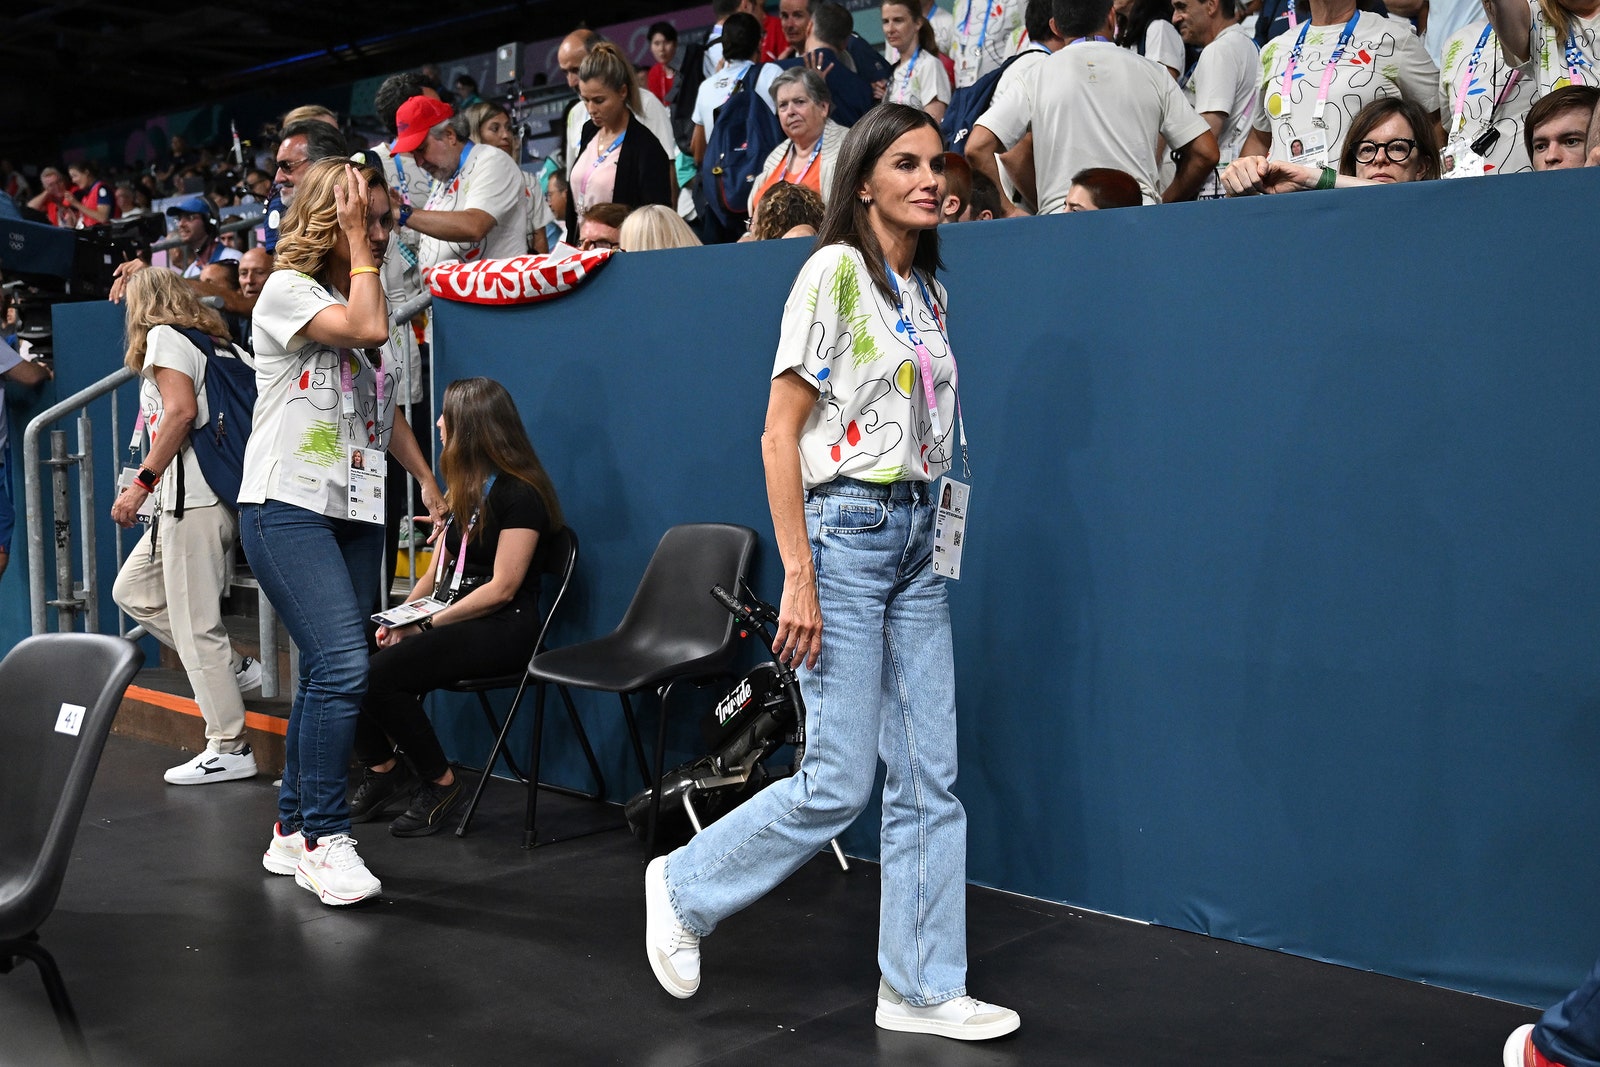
[(860, 421), (919, 78), (311, 528)]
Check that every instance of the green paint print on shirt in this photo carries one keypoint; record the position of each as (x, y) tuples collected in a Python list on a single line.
[(847, 300), (320, 445)]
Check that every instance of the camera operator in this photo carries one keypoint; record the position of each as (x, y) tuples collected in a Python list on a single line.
[(13, 368)]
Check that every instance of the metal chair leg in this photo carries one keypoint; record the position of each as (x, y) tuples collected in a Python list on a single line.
[(633, 734), (55, 989), (494, 754), (588, 751), (533, 766), (494, 727), (660, 769)]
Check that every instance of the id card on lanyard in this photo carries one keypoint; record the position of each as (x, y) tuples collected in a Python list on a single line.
[(1313, 144), (969, 56), (952, 493), (368, 461)]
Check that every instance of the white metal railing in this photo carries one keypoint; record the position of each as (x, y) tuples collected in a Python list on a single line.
[(75, 597)]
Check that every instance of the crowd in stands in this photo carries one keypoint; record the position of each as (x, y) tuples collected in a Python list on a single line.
[(1189, 99)]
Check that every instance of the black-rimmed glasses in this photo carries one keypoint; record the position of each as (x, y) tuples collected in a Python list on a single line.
[(1398, 150)]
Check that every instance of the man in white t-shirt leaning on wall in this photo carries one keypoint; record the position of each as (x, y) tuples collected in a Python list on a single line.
[(1092, 104), (1223, 84)]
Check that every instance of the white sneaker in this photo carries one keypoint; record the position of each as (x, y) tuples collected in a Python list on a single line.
[(674, 952), (283, 854), (211, 766), (963, 1018), (248, 675), (332, 870)]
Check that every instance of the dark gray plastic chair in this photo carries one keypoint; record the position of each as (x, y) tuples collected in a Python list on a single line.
[(58, 696), (673, 632)]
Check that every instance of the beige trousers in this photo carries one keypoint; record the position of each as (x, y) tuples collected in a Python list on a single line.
[(175, 593)]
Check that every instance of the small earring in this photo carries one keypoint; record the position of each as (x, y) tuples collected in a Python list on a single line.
[(866, 201)]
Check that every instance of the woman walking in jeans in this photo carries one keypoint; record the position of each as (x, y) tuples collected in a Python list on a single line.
[(861, 418), (310, 524)]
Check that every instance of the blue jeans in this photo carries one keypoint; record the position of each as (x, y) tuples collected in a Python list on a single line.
[(884, 688), (322, 576), (1569, 1033)]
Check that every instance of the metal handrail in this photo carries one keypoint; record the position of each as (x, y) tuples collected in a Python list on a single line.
[(33, 493)]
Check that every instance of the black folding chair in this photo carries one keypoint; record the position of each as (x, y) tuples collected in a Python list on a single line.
[(58, 696), (561, 560), (673, 632)]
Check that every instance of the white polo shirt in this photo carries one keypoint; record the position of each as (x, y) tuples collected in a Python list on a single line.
[(1093, 104)]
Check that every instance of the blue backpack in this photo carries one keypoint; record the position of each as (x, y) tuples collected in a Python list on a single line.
[(230, 388), (968, 105), (744, 134)]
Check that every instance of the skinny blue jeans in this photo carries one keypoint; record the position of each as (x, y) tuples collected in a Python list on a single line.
[(322, 576), (883, 689)]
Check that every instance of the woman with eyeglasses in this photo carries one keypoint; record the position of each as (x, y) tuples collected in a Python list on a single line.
[(1391, 140)]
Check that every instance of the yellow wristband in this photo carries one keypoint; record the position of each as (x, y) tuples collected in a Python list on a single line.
[(362, 270)]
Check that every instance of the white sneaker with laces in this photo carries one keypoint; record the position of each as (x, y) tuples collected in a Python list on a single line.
[(283, 854), (210, 767), (963, 1018), (673, 950), (334, 872), (248, 675)]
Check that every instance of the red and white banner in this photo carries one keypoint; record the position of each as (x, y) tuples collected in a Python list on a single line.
[(518, 280)]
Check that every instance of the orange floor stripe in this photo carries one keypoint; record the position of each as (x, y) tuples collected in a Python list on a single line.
[(254, 719)]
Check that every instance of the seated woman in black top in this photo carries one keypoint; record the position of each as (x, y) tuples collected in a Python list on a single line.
[(501, 502)]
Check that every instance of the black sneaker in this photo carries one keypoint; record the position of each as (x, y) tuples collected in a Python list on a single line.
[(377, 791), (429, 806)]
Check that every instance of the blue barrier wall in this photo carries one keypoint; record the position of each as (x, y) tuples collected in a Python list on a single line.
[(1280, 613)]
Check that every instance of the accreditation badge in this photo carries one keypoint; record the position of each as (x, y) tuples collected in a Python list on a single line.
[(368, 468), (950, 526)]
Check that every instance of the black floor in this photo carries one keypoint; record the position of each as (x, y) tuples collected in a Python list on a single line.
[(179, 949)]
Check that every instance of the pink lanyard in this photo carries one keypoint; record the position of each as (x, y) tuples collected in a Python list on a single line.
[(347, 396), (1327, 71), (461, 553), (925, 358)]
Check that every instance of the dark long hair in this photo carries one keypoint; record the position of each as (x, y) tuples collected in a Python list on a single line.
[(848, 221), (1130, 32), (925, 38), (1373, 115), (484, 436)]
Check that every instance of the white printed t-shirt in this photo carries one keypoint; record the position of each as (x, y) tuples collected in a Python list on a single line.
[(299, 443), (1547, 53), (166, 347), (1224, 80), (987, 33), (1385, 57), (925, 81), (1093, 104), (845, 338), (489, 181), (1478, 113)]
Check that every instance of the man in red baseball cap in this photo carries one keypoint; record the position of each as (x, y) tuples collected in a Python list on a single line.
[(477, 209)]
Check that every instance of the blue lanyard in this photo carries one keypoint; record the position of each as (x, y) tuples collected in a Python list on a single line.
[(599, 159), (905, 316), (983, 34), (1327, 71), (911, 66), (1575, 57)]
